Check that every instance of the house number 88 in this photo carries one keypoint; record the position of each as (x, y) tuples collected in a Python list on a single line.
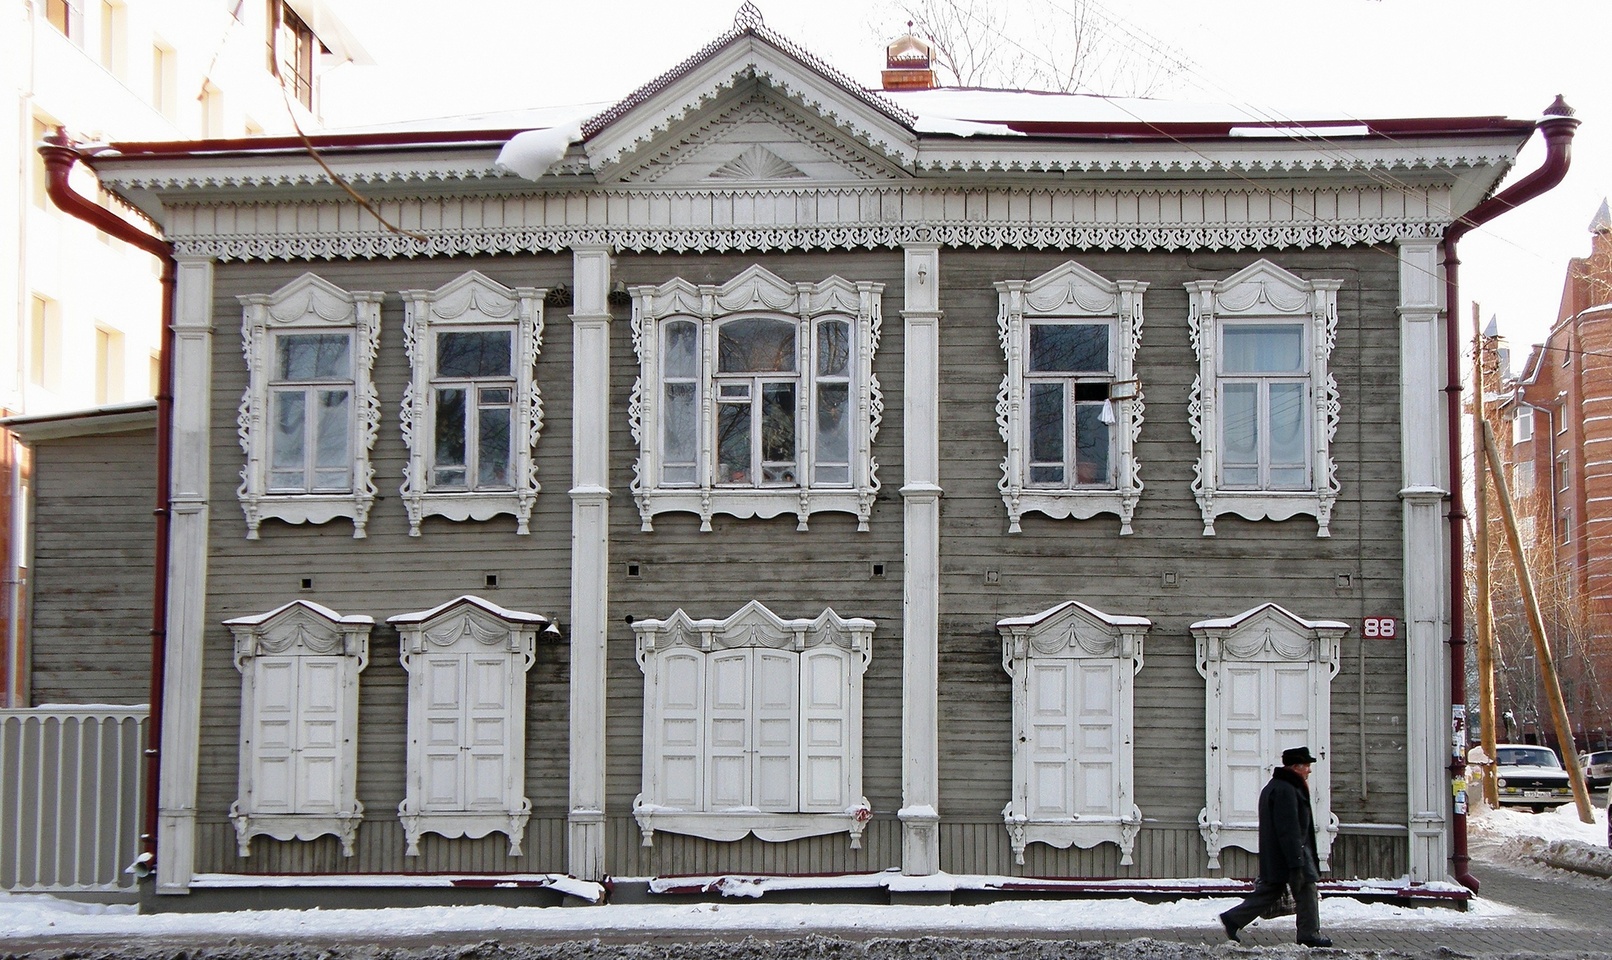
[(1380, 628)]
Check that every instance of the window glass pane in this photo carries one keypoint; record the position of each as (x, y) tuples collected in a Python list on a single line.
[(313, 356), (1069, 347), (474, 353), (449, 459), (756, 345), (1262, 348), (290, 425), (331, 455), (679, 433), (1047, 432), (1287, 422), (834, 348), (1239, 416), (778, 421), (833, 424), (681, 356), (733, 443), (492, 447), (1093, 463)]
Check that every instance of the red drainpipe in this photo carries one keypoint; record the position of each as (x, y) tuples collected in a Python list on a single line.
[(60, 156), (1558, 126)]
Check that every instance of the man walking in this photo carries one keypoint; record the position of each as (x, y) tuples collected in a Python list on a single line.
[(1287, 858)]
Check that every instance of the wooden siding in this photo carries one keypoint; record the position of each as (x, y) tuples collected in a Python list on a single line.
[(94, 540)]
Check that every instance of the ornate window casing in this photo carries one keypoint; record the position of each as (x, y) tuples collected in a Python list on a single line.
[(299, 668), (472, 413), (1264, 407), (1269, 688), (1073, 727), (466, 772), (1070, 407), (756, 398), (753, 724), (309, 416)]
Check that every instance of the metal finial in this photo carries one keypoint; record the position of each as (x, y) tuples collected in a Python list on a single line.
[(748, 17), (1558, 108)]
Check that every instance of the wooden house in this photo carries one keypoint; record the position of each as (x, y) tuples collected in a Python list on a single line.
[(772, 476)]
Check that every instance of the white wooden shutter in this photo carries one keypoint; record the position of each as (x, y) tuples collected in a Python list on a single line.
[(776, 692), (680, 692), (827, 724), (274, 736), (487, 719), (1050, 733), (442, 730), (1290, 705), (728, 729), (319, 732), (1246, 742), (1096, 746)]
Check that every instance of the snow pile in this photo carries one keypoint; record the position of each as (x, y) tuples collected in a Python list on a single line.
[(1556, 838), (531, 153)]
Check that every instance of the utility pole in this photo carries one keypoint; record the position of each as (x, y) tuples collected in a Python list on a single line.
[(1482, 607)]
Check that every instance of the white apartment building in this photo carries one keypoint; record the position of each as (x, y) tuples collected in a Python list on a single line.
[(85, 331)]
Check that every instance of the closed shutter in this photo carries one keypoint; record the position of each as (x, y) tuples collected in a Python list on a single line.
[(1050, 733), (274, 736), (1246, 739), (776, 730), (680, 689), (442, 728), (318, 713), (728, 729), (487, 715), (1097, 733), (827, 729)]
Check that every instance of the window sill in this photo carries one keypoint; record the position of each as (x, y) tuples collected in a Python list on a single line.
[(736, 824), (1082, 832), (471, 825), (1267, 505), (297, 826), (1071, 505), (755, 503), (460, 507), (312, 508)]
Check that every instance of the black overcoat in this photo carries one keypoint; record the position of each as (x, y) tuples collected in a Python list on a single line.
[(1287, 830)]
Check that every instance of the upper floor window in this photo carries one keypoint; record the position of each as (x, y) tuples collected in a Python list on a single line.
[(753, 724), (67, 16), (756, 398), (472, 412), (1522, 424), (310, 414), (292, 48), (1264, 405), (1069, 408)]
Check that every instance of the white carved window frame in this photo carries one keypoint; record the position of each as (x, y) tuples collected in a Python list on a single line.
[(308, 304), (756, 292), (673, 650), (479, 633), (1283, 666), (1052, 646), (1264, 291), (472, 301), (1070, 292), (292, 641)]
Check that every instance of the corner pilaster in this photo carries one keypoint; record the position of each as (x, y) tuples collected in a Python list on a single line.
[(920, 627), (187, 573), (590, 556), (1424, 454)]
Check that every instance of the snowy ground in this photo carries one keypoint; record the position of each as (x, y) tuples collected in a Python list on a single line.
[(1009, 930)]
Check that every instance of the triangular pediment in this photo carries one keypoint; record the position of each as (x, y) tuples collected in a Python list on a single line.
[(756, 107)]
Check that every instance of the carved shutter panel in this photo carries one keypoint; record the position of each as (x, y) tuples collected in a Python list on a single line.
[(1246, 740), (1097, 733), (728, 677), (826, 748), (680, 689), (274, 735), (776, 693), (443, 772), (317, 715), (1051, 737), (1290, 720), (487, 716)]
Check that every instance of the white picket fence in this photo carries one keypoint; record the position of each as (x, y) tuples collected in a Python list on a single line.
[(72, 784)]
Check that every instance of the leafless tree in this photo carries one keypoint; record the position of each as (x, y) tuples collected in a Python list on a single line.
[(1067, 46)]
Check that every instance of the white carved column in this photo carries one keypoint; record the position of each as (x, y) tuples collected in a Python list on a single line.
[(920, 623), (590, 555), (1424, 453), (187, 574)]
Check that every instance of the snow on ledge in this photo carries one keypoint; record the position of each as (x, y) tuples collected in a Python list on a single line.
[(582, 889), (531, 153)]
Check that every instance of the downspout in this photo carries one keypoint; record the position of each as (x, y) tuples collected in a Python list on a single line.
[(60, 156), (1558, 126)]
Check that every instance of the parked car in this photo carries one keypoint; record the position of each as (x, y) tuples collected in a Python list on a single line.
[(1530, 776), (1597, 767)]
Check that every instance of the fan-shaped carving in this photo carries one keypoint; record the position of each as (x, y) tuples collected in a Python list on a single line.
[(757, 163)]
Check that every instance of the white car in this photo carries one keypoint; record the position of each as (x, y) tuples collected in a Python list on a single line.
[(1597, 767), (1530, 776)]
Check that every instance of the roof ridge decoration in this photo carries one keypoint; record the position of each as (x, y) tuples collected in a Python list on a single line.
[(747, 21)]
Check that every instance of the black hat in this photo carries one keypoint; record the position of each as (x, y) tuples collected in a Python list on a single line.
[(1293, 755)]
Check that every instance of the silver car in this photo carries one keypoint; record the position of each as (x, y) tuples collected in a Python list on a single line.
[(1530, 776), (1597, 767)]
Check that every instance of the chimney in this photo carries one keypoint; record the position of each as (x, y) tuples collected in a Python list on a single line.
[(906, 64)]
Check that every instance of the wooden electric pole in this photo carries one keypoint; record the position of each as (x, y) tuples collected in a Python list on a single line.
[(1482, 606)]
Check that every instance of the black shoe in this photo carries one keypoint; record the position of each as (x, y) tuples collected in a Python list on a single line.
[(1231, 931), (1316, 941)]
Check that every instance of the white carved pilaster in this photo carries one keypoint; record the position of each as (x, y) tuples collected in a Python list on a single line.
[(1424, 454), (590, 556), (187, 573), (920, 768)]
